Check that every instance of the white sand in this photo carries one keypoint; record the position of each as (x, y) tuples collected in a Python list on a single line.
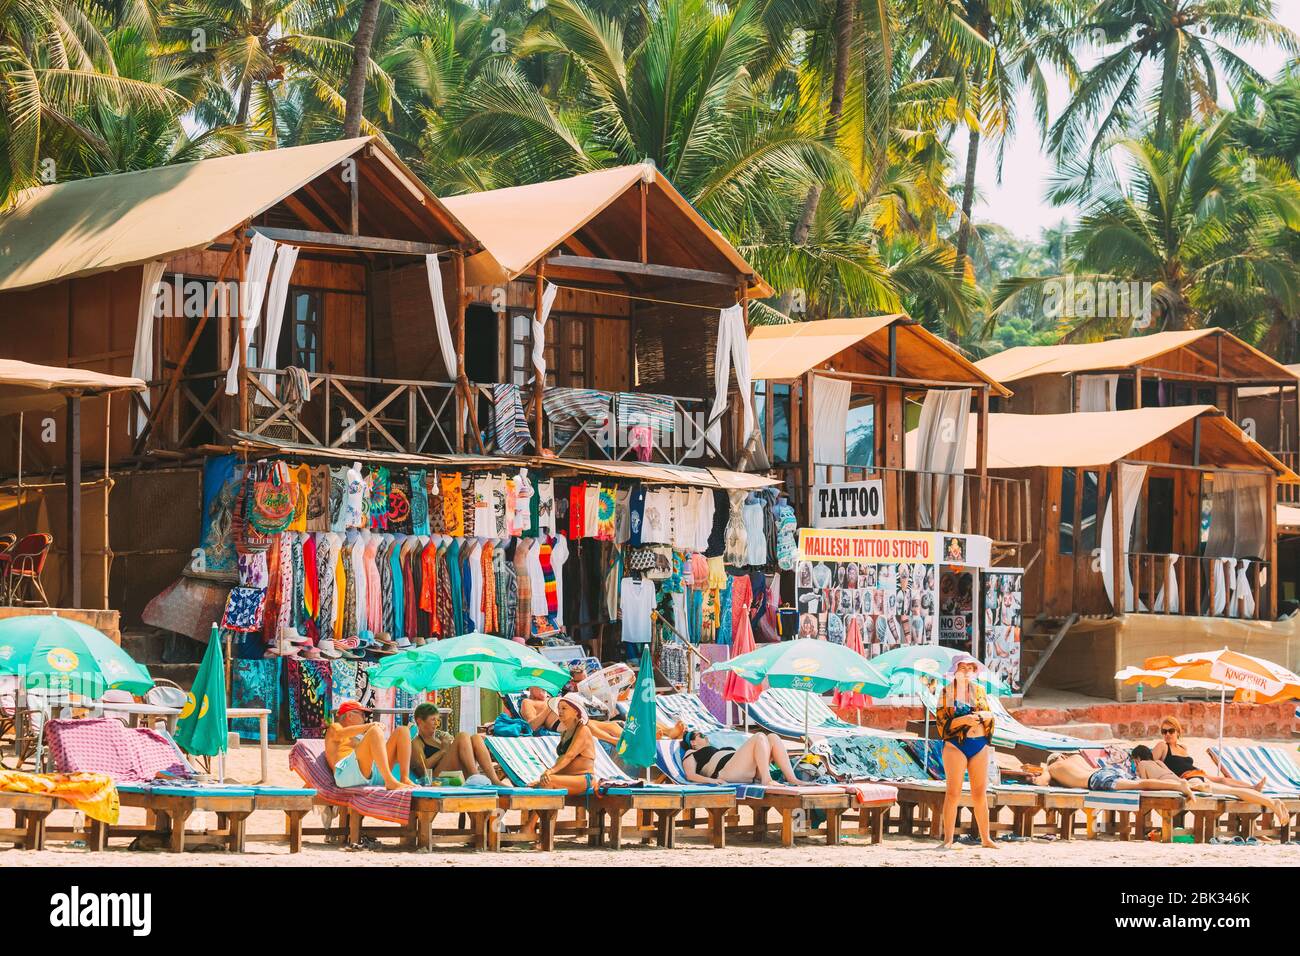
[(242, 765)]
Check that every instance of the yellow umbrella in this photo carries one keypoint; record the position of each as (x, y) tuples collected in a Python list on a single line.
[(1250, 678)]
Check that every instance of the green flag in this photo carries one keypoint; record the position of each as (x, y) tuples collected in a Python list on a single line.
[(637, 745), (202, 728)]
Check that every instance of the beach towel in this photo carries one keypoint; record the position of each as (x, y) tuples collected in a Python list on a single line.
[(712, 685), (872, 758), (103, 745), (309, 697), (92, 793), (307, 760), (255, 682), (509, 422)]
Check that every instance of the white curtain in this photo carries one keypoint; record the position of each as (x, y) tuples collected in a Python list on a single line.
[(539, 332), (142, 358), (1097, 393), (250, 302), (941, 450), (277, 296), (732, 350), (830, 426), (1239, 509), (440, 323), (1130, 481), (1167, 599)]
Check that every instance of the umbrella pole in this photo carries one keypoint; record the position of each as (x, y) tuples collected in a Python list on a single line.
[(926, 752), (805, 721), (1223, 707)]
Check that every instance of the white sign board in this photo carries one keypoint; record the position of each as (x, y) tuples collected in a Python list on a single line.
[(849, 504)]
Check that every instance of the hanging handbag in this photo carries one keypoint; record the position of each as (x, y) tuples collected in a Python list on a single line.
[(274, 499)]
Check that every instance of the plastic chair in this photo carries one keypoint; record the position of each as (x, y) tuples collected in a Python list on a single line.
[(7, 541), (26, 563)]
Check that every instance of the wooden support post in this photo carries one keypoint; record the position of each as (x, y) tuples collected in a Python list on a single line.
[(1118, 544), (1137, 389), (741, 441), (539, 383), (242, 332), (1196, 442), (462, 382), (354, 203), (806, 425), (893, 349), (72, 440), (982, 460), (645, 246), (1270, 612)]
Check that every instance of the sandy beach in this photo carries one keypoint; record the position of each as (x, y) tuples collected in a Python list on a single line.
[(242, 765)]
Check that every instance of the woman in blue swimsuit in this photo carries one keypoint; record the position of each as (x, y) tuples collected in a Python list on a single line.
[(965, 725)]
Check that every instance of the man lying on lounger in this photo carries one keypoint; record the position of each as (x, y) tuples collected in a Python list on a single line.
[(360, 756), (1072, 770), (541, 712)]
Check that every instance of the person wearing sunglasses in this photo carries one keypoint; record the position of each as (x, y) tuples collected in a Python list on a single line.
[(1175, 756)]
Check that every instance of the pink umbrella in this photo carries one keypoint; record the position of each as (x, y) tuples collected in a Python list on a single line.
[(737, 689), (843, 699)]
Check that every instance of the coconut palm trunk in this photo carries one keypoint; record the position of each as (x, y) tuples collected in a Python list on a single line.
[(361, 44), (967, 202), (843, 47)]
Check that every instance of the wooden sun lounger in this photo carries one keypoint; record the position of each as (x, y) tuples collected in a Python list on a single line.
[(795, 808), (547, 804), (30, 811), (419, 831), (168, 813), (718, 807)]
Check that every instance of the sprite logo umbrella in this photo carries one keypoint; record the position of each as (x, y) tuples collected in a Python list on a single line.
[(636, 746), (810, 665), (57, 652), (477, 660), (202, 726), (918, 669)]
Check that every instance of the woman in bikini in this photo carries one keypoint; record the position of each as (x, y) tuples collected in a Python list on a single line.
[(965, 725), (575, 766), (1175, 756), (750, 763)]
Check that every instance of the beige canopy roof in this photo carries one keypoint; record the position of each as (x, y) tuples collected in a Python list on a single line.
[(1238, 359), (787, 351), (25, 387), (1089, 439), (1255, 391), (518, 225), (110, 222), (1288, 517)]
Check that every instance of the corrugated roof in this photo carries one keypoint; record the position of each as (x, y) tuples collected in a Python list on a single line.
[(518, 225)]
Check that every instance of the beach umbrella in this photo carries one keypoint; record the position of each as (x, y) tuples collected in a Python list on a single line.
[(1249, 678), (845, 699), (58, 652), (636, 745), (810, 665), (478, 660), (202, 728), (917, 669)]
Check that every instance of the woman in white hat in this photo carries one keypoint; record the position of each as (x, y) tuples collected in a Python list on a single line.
[(575, 767)]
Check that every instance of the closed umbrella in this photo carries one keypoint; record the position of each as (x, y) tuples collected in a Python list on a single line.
[(202, 728), (737, 689), (809, 665), (849, 700), (636, 745)]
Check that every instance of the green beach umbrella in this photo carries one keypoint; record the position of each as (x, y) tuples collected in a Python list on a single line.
[(202, 726), (57, 652), (809, 665), (477, 660), (636, 746), (910, 668)]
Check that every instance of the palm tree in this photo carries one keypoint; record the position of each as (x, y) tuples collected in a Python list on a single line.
[(1182, 42), (56, 66), (1211, 244), (361, 46)]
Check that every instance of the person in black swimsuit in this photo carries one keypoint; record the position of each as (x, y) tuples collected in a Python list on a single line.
[(1175, 756), (750, 763), (434, 752)]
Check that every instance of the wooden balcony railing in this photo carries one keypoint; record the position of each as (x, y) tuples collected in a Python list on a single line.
[(932, 501), (419, 417), (1197, 586), (1288, 494)]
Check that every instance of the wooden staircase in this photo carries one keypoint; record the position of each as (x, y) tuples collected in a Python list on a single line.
[(1038, 642)]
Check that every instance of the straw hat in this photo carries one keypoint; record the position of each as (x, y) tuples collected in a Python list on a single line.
[(576, 702)]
